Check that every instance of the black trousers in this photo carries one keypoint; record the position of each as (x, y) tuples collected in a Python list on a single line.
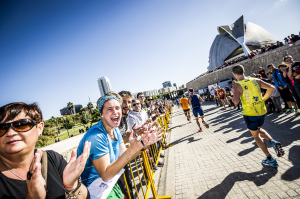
[(121, 182)]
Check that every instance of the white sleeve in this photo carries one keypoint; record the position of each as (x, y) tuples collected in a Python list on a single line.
[(130, 122)]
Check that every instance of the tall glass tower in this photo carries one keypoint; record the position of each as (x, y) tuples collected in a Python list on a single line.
[(104, 86)]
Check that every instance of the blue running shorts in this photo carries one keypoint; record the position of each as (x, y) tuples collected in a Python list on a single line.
[(253, 122), (198, 111)]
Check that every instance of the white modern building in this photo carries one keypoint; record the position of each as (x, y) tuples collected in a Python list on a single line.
[(104, 86)]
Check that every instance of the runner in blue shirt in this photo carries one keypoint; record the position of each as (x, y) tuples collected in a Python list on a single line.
[(195, 100)]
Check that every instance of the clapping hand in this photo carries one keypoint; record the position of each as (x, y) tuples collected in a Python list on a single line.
[(36, 184), (75, 167), (139, 130)]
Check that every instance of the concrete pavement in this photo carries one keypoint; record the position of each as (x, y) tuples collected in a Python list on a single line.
[(224, 160)]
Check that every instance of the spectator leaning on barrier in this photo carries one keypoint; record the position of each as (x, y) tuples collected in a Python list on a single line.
[(137, 115), (290, 82), (108, 154), (262, 72), (282, 87), (140, 96), (123, 127), (276, 99), (20, 164), (293, 72), (294, 38)]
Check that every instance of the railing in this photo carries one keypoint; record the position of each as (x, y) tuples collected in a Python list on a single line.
[(145, 161)]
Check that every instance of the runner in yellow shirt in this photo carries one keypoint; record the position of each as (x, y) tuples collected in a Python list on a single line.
[(186, 108), (254, 110)]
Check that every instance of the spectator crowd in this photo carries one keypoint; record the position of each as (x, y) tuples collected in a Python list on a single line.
[(287, 41)]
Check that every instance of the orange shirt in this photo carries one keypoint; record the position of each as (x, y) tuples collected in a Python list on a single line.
[(221, 92), (185, 103)]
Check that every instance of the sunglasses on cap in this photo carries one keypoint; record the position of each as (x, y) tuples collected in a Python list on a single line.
[(22, 125), (136, 104)]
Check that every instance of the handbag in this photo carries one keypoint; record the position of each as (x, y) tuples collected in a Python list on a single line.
[(45, 166)]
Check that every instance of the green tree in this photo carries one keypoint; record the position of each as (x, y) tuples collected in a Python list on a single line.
[(90, 107), (54, 121), (48, 134), (95, 116)]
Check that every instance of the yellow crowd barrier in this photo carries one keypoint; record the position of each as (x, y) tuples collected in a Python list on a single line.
[(152, 154)]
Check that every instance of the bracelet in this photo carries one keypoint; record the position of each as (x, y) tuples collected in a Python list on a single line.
[(126, 156), (74, 190), (72, 197)]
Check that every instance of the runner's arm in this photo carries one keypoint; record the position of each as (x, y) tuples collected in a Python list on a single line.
[(290, 74), (270, 88), (200, 99), (237, 91)]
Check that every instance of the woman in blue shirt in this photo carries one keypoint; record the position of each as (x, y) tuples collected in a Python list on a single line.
[(108, 154)]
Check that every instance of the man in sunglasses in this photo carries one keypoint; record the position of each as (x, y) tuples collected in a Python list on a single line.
[(137, 115), (150, 107)]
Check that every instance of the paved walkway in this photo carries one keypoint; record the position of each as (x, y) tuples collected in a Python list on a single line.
[(224, 160)]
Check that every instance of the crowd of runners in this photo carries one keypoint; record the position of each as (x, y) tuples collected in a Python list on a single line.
[(251, 95)]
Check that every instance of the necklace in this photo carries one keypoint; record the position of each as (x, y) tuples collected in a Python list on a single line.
[(14, 173)]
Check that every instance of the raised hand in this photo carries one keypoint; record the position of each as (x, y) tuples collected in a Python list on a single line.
[(139, 130), (36, 184), (75, 167)]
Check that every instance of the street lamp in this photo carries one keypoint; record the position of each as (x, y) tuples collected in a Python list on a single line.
[(66, 126)]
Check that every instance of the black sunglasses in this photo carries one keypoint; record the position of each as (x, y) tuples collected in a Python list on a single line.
[(149, 99), (22, 125), (136, 104)]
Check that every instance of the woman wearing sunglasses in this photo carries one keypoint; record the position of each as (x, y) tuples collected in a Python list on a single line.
[(20, 164), (108, 153)]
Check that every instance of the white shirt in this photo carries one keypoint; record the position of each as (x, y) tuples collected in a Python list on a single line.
[(138, 118)]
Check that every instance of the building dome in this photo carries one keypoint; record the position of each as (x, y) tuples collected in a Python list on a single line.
[(237, 39)]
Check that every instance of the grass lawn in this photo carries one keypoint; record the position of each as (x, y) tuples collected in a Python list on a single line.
[(64, 134)]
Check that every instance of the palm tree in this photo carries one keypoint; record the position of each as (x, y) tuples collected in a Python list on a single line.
[(90, 107), (71, 107)]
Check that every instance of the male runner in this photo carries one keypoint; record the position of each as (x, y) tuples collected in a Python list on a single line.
[(185, 107), (196, 101), (222, 96), (254, 110)]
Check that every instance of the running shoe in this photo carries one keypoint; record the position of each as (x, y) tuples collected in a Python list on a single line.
[(234, 107), (288, 111), (188, 118), (297, 112), (278, 148), (200, 129), (270, 163), (205, 124), (224, 107)]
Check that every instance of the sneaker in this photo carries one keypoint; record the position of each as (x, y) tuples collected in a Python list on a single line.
[(288, 111), (188, 118), (224, 107), (205, 124), (297, 112), (200, 129), (270, 163), (278, 148), (234, 107), (160, 164)]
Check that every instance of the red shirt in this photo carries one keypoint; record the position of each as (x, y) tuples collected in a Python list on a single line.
[(262, 73)]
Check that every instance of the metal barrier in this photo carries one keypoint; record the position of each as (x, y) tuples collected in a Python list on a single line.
[(149, 155)]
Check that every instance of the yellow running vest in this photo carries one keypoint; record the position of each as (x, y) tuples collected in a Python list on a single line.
[(253, 104)]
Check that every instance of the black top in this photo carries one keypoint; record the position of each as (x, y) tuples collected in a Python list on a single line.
[(295, 67), (17, 189), (123, 125)]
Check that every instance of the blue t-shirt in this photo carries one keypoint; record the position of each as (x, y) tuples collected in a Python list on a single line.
[(101, 144)]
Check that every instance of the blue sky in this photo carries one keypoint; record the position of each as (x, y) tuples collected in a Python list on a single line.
[(53, 51)]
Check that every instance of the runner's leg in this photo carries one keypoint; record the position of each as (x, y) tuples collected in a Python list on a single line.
[(259, 141)]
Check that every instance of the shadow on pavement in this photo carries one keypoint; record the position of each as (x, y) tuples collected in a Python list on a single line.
[(283, 128), (259, 178), (192, 139), (293, 173), (186, 138)]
